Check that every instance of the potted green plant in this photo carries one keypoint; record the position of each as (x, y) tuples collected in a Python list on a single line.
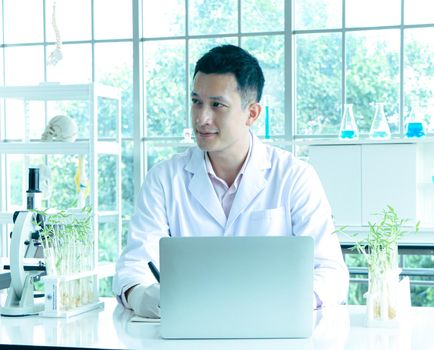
[(387, 294)]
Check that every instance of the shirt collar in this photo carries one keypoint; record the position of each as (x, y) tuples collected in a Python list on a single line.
[(211, 171)]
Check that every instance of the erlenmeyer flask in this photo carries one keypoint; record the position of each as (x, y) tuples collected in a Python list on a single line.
[(348, 128), (380, 127), (415, 127)]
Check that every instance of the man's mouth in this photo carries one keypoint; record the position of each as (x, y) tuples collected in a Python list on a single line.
[(205, 133)]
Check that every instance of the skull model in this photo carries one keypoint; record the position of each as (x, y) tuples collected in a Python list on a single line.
[(60, 128)]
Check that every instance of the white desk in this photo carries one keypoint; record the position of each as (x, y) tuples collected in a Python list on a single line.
[(337, 329)]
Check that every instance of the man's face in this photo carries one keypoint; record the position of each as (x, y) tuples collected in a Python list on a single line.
[(219, 121)]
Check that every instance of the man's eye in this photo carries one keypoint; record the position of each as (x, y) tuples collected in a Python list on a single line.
[(217, 104), (194, 101)]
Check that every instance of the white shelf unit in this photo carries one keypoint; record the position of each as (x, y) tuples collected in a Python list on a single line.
[(91, 148), (362, 178)]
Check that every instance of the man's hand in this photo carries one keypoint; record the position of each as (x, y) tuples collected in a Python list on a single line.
[(145, 301)]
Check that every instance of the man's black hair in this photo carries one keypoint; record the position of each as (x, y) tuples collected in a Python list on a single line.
[(228, 59)]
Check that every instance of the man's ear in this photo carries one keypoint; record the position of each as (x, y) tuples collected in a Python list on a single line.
[(254, 112)]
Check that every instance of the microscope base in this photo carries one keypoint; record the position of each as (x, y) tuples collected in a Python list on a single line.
[(16, 311), (21, 304)]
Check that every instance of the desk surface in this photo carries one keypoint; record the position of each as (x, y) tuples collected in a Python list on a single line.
[(336, 329)]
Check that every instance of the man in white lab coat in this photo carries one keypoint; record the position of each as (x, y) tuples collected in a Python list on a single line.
[(230, 185)]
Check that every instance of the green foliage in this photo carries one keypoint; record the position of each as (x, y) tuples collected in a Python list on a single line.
[(262, 15), (318, 84), (107, 242), (105, 287), (63, 227), (165, 93), (212, 17), (272, 61), (121, 78), (379, 251), (67, 240), (381, 243), (372, 77)]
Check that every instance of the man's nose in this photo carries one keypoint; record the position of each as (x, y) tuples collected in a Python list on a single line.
[(203, 116)]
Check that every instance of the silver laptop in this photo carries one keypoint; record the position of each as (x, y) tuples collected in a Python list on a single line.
[(236, 287)]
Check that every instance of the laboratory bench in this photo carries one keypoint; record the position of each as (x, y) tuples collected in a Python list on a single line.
[(336, 328)]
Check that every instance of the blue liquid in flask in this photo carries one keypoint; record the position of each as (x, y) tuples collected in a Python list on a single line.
[(380, 134), (348, 134), (415, 129)]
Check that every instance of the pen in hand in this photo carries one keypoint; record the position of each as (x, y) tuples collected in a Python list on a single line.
[(154, 271)]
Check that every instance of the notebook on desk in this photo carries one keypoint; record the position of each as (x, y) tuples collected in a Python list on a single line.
[(236, 287)]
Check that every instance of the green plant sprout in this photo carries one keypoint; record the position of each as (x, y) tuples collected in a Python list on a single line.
[(380, 249), (67, 241), (382, 238)]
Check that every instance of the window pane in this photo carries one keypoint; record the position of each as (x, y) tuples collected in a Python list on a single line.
[(23, 21), (158, 151), (125, 228), (113, 19), (74, 68), (419, 73), (68, 13), (106, 182), (213, 16), (105, 287), (317, 14), (14, 119), (262, 15), (24, 120), (24, 65), (418, 11), (114, 67), (1, 33), (165, 90), (15, 182), (127, 178), (63, 191), (269, 50), (1, 67), (373, 76), (107, 118), (163, 18), (107, 242), (370, 13), (318, 83)]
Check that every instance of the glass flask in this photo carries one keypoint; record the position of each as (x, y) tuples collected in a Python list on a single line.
[(415, 127), (348, 128), (380, 127), (267, 117)]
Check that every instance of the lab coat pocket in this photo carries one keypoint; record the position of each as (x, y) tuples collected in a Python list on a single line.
[(269, 222)]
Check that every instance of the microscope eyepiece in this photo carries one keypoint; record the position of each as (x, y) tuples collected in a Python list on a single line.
[(33, 180), (34, 194)]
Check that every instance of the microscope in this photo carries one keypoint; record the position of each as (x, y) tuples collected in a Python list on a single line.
[(25, 244)]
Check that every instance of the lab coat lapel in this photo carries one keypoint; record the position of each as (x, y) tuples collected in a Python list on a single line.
[(252, 182), (201, 187)]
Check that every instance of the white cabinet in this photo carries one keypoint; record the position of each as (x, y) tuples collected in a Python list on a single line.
[(361, 179), (95, 143), (339, 169)]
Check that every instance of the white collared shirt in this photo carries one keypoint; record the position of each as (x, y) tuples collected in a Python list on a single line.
[(225, 193)]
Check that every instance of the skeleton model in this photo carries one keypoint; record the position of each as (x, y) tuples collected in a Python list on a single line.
[(60, 128)]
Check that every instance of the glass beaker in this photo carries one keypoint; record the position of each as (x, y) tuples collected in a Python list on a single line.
[(348, 128), (380, 127), (415, 127)]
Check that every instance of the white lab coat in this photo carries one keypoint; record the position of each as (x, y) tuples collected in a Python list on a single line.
[(278, 195)]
